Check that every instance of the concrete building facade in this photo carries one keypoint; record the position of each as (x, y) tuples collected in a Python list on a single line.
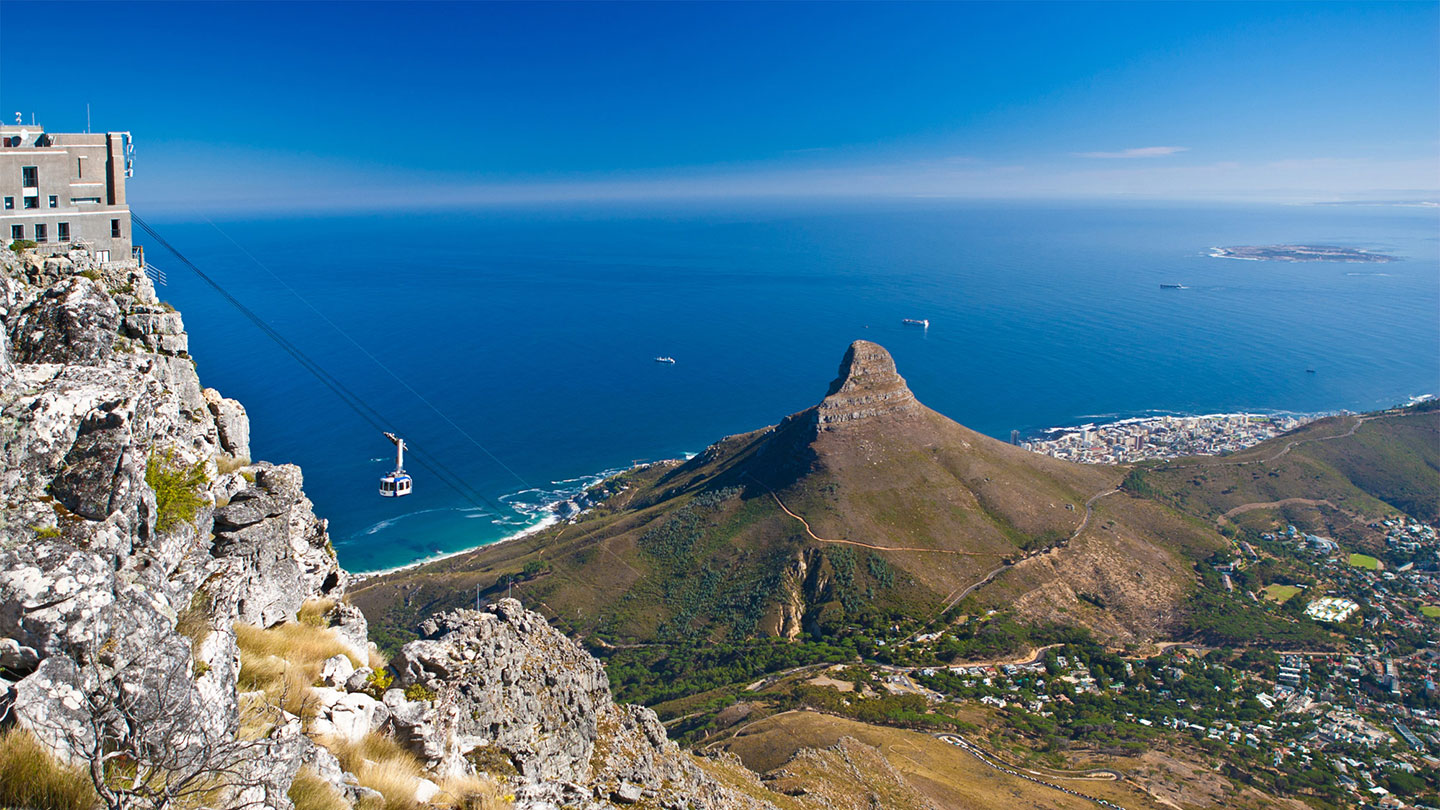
[(65, 190)]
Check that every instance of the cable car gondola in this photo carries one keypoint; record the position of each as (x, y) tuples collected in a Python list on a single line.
[(397, 484)]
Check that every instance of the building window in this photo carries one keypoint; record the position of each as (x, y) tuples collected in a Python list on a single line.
[(17, 231), (40, 236), (54, 201), (84, 200), (64, 232), (80, 168), (114, 229), (30, 176), (32, 202), (9, 203)]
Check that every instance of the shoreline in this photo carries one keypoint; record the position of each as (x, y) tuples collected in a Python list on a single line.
[(545, 523), (1060, 430), (550, 519)]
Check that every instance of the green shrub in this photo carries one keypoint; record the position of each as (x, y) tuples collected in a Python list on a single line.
[(92, 274), (378, 682), (46, 532), (419, 691), (31, 777), (178, 489), (22, 245)]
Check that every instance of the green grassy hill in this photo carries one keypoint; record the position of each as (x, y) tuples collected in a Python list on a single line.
[(1332, 475), (864, 511)]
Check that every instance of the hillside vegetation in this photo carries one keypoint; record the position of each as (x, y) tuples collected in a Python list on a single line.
[(865, 512), (1361, 467)]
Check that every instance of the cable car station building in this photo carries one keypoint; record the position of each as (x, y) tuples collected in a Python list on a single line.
[(65, 190)]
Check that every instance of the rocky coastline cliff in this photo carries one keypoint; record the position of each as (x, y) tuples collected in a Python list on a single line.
[(174, 629)]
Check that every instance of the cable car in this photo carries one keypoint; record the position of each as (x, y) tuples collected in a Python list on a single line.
[(397, 484)]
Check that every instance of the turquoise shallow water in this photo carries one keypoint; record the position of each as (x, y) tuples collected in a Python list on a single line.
[(535, 331)]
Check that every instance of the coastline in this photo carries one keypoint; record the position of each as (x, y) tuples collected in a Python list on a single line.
[(550, 518), (545, 523), (1061, 430)]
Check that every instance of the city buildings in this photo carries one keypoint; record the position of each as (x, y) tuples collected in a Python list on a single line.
[(1163, 437), (1331, 609)]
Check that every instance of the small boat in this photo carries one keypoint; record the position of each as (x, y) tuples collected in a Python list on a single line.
[(913, 322), (669, 360), (1173, 287), (1309, 371)]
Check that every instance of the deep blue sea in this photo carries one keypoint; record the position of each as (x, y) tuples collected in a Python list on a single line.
[(533, 332)]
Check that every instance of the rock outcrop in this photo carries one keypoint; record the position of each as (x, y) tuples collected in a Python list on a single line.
[(99, 400), (868, 386), (506, 684)]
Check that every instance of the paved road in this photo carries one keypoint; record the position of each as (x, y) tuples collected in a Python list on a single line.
[(961, 743)]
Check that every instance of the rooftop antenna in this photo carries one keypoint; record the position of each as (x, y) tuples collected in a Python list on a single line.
[(19, 119), (87, 118)]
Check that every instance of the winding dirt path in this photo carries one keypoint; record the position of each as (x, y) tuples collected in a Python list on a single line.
[(818, 538), (1250, 507), (1084, 521)]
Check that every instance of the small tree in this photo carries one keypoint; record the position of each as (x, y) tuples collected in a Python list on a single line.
[(147, 741)]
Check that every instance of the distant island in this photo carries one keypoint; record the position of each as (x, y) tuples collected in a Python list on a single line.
[(1298, 253)]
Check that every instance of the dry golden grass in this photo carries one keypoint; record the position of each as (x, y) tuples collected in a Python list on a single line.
[(378, 661), (395, 779), (194, 622), (284, 661), (944, 774), (31, 777), (313, 612), (380, 763), (310, 792), (471, 793), (228, 464)]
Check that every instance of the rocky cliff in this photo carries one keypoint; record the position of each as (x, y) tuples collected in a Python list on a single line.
[(159, 590), (867, 387)]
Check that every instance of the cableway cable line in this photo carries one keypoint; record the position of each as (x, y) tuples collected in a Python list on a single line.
[(356, 403), (281, 281)]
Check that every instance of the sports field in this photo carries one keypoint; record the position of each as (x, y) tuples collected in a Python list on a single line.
[(1280, 593), (1365, 561)]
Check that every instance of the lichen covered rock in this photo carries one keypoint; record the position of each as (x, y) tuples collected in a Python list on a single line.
[(505, 680)]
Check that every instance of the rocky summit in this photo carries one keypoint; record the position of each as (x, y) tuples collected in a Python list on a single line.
[(868, 387), (173, 609)]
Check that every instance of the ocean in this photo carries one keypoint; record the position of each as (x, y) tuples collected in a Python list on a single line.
[(514, 348)]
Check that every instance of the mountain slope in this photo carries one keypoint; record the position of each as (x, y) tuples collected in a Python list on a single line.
[(1333, 476), (865, 509)]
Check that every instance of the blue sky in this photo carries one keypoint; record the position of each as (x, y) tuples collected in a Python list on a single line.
[(280, 106)]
